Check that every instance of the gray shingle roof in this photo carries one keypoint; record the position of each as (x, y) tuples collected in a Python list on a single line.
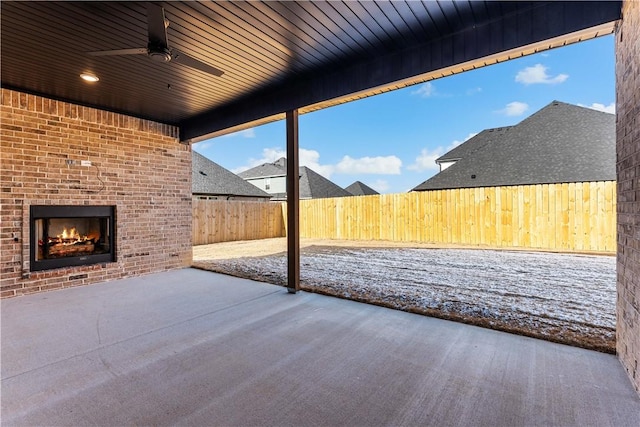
[(210, 178), (472, 144), (559, 143), (312, 184), (315, 186), (360, 189), (264, 170)]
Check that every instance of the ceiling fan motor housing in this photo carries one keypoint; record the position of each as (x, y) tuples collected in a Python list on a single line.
[(160, 54)]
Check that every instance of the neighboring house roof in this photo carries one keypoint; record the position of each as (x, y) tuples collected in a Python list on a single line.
[(315, 186), (559, 143), (265, 170), (360, 189), (312, 184), (472, 144), (210, 178)]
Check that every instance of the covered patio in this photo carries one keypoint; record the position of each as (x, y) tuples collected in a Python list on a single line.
[(191, 347), (152, 342)]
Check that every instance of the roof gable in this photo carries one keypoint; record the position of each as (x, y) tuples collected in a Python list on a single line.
[(210, 178), (312, 184), (360, 189), (265, 170), (315, 186), (559, 143)]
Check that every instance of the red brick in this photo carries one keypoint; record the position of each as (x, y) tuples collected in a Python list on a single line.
[(628, 165), (139, 163)]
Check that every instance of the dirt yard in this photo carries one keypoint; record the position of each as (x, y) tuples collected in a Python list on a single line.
[(567, 298)]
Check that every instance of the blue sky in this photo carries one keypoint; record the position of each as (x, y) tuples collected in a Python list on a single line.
[(390, 141)]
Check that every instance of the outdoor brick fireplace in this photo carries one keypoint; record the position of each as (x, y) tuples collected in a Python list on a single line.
[(123, 184), (63, 236)]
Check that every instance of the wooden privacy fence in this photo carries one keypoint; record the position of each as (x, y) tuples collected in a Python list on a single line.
[(571, 217), (562, 217), (228, 220)]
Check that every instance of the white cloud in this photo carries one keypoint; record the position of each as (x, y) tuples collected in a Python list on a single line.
[(426, 160), (538, 74), (514, 108), (474, 90), (611, 108), (380, 185), (311, 159), (380, 165), (269, 155), (247, 133), (389, 165), (425, 90)]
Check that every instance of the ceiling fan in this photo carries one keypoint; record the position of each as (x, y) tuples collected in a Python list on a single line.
[(158, 45)]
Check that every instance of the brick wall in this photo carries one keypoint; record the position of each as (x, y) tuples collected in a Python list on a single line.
[(628, 170), (137, 165)]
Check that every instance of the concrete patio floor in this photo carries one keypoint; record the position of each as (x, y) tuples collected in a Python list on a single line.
[(191, 347)]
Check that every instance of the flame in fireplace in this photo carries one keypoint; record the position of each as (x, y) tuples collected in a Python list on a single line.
[(71, 234)]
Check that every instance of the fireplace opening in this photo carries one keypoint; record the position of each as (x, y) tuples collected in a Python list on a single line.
[(63, 236)]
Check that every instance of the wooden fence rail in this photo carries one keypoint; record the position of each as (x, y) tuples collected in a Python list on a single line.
[(229, 220), (563, 217), (574, 217)]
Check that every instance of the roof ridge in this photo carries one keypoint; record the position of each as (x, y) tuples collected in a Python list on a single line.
[(561, 142)]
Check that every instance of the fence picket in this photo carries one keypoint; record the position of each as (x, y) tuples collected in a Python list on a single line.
[(573, 216)]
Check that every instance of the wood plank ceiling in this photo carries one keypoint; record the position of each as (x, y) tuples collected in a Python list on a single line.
[(275, 55)]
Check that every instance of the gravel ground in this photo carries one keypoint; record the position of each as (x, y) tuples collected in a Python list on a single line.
[(567, 298)]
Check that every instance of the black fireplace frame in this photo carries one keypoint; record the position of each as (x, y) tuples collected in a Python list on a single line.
[(70, 211)]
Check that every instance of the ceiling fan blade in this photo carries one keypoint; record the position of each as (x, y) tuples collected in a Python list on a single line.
[(134, 51), (183, 59), (156, 26)]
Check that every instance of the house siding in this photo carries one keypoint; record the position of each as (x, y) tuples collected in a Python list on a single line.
[(277, 184), (628, 173), (138, 166)]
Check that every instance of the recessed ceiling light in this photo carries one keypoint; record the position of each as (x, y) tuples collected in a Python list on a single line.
[(89, 77)]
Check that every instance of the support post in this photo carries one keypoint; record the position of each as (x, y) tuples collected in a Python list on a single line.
[(293, 207)]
